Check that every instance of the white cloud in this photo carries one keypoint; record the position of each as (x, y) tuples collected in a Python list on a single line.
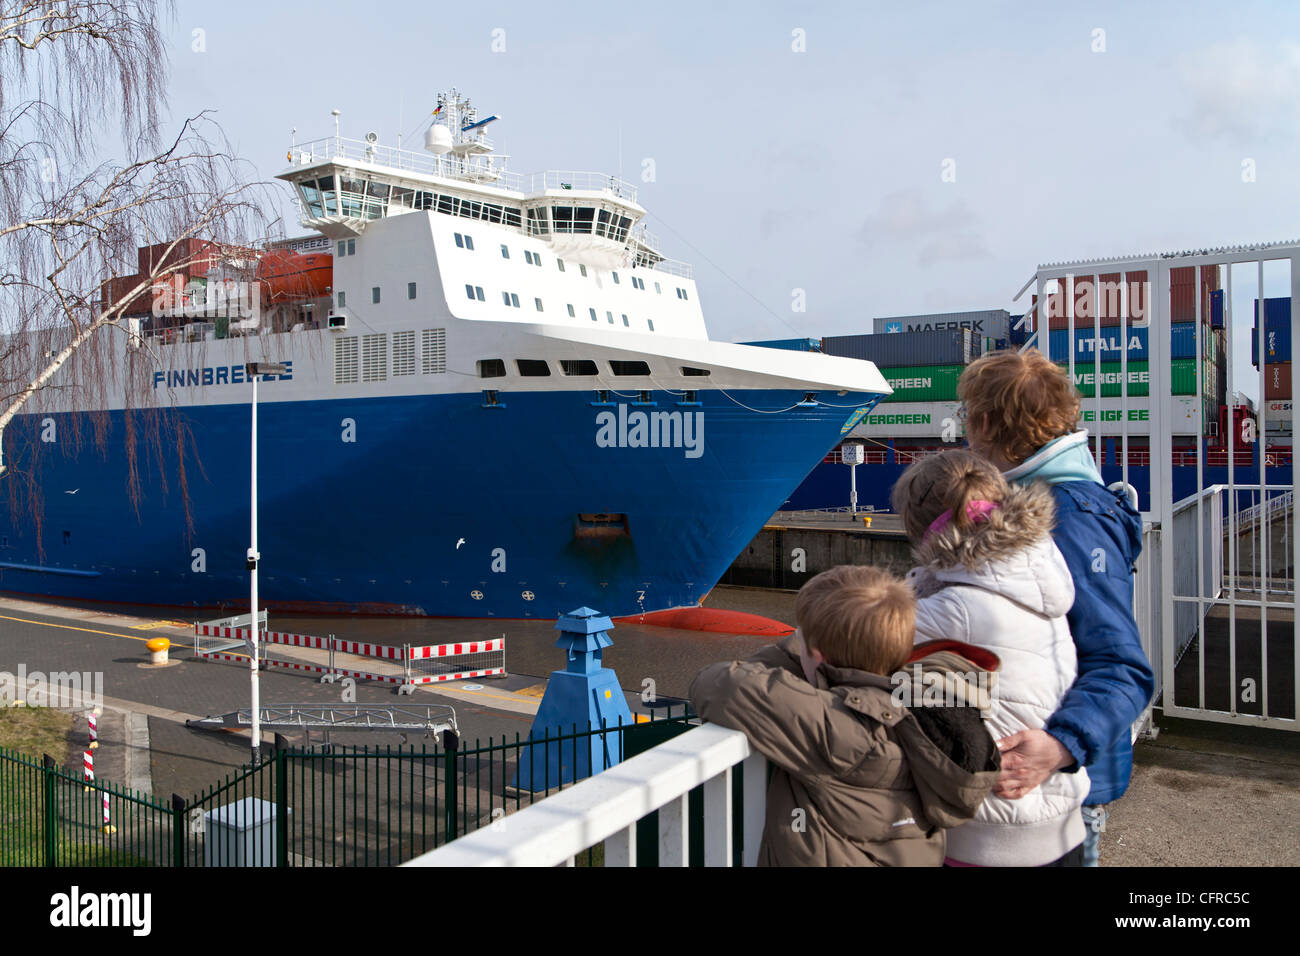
[(943, 231), (1241, 90)]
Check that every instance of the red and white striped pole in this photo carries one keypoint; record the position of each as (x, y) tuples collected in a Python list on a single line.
[(108, 827), (93, 722), (88, 767)]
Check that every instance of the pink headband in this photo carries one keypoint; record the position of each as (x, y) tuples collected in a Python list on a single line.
[(977, 511)]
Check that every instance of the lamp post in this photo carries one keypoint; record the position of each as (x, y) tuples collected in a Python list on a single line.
[(254, 370)]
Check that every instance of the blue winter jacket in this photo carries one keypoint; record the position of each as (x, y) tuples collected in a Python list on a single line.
[(1100, 536)]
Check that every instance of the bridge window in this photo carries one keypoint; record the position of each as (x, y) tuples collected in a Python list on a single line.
[(491, 368), (528, 256), (537, 224), (658, 290), (651, 323), (625, 322), (533, 368), (609, 315), (592, 311), (689, 371), (559, 264), (582, 269), (572, 314), (624, 367), (505, 254), (578, 367), (469, 291), (538, 303), (615, 275), (460, 241)]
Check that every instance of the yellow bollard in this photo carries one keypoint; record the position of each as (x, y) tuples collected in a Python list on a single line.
[(866, 521), (158, 650)]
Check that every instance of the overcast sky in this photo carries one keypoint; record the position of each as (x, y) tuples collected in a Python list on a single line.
[(882, 158)]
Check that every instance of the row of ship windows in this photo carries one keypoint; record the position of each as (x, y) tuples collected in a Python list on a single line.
[(475, 294), (374, 295), (465, 241), (540, 368), (365, 358)]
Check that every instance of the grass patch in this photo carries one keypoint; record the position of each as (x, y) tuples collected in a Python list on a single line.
[(35, 730), (26, 733)]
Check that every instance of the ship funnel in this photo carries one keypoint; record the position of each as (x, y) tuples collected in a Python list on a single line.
[(438, 139)]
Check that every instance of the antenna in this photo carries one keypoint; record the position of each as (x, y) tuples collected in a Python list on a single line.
[(335, 114)]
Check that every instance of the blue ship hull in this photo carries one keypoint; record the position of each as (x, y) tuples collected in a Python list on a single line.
[(440, 506)]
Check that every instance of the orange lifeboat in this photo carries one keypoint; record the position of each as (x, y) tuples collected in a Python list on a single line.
[(292, 275)]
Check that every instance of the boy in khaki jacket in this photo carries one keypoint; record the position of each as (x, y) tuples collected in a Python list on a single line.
[(858, 779)]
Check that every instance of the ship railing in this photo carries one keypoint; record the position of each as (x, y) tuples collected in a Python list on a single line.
[(606, 808), (585, 181), (445, 166), (675, 267)]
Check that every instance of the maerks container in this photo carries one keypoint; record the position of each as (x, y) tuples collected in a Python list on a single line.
[(993, 323), (902, 349), (923, 383), (790, 345), (1277, 332)]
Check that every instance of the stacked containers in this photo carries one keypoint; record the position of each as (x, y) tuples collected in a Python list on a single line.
[(919, 366), (1277, 332)]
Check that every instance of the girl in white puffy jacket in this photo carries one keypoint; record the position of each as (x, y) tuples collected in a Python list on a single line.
[(990, 575)]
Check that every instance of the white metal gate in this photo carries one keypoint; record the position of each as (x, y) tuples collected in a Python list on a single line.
[(1216, 599)]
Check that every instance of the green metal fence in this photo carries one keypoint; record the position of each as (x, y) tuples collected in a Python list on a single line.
[(49, 816), (324, 806)]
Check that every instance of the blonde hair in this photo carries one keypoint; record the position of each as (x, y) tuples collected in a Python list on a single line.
[(859, 617), (949, 481), (1017, 402)]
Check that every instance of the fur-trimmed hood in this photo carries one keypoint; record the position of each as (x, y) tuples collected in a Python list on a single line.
[(1011, 554)]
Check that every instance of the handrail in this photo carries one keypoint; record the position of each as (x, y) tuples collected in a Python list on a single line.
[(609, 804)]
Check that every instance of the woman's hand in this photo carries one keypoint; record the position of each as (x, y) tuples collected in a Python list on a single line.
[(1028, 758)]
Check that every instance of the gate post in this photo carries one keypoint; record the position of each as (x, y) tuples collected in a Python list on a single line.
[(47, 779), (281, 804), (450, 744), (179, 827)]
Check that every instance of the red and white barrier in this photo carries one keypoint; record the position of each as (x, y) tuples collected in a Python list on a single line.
[(359, 648), (88, 768), (407, 654), (356, 674), (93, 723), (108, 827)]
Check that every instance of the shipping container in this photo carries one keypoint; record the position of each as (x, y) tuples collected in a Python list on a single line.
[(1216, 309), (1182, 343), (789, 345), (1104, 304), (1277, 332), (923, 383), (912, 420), (994, 323), (1139, 377), (1277, 380), (903, 349)]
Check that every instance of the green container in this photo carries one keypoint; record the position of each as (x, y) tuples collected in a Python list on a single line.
[(1139, 378), (923, 383)]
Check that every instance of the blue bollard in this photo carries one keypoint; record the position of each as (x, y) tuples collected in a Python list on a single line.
[(580, 697)]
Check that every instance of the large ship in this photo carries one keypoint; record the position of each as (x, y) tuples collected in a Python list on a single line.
[(498, 398)]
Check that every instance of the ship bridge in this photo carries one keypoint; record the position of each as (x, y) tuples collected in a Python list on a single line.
[(344, 184)]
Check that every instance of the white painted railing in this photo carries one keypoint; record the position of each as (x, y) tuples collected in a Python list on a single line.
[(605, 809)]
